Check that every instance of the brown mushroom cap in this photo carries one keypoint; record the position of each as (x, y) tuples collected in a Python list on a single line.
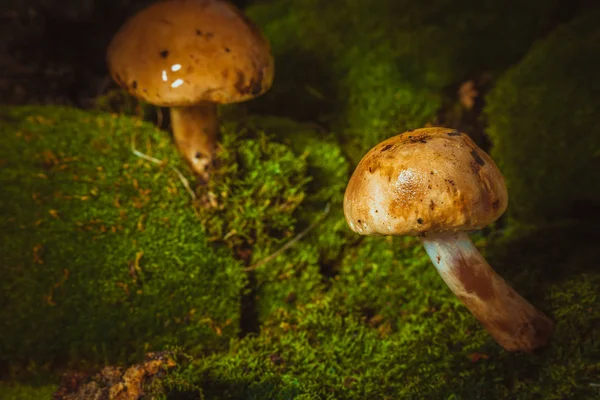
[(181, 52), (425, 180)]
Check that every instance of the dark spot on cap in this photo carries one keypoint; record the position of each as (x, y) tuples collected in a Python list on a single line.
[(198, 32), (477, 157), (419, 139), (256, 86), (253, 88), (370, 170), (454, 133), (410, 130), (450, 181), (164, 53), (134, 84), (431, 205), (227, 49), (359, 221), (376, 211), (239, 83), (422, 234), (387, 147), (438, 258), (419, 220), (199, 155), (496, 204)]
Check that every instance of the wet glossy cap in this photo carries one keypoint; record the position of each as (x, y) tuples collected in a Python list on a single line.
[(425, 180), (181, 52)]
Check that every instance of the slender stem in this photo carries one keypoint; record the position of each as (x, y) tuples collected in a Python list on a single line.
[(195, 131), (511, 320)]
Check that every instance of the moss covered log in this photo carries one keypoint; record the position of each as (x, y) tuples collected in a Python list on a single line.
[(543, 121)]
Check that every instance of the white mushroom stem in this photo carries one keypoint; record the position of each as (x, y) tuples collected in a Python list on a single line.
[(511, 320), (195, 130)]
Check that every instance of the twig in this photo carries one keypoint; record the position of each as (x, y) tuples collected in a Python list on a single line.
[(291, 242), (183, 179)]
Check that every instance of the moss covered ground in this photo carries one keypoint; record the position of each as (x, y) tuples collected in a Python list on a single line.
[(106, 256), (254, 280)]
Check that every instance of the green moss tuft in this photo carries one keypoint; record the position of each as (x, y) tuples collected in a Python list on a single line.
[(277, 177), (101, 254), (543, 121), (250, 199)]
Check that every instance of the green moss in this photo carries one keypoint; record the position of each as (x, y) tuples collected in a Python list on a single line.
[(543, 121), (16, 391), (114, 261), (276, 178), (101, 254), (387, 327), (368, 69), (251, 197), (341, 316)]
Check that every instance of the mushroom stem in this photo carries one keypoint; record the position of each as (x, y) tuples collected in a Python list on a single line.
[(511, 320), (195, 131)]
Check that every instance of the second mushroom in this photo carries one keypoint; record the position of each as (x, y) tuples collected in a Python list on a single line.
[(191, 55), (437, 184)]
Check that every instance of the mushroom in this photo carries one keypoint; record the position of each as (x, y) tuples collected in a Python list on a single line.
[(437, 184), (191, 55)]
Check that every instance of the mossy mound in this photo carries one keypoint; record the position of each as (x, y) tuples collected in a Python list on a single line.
[(107, 256), (368, 69), (101, 254), (543, 121)]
